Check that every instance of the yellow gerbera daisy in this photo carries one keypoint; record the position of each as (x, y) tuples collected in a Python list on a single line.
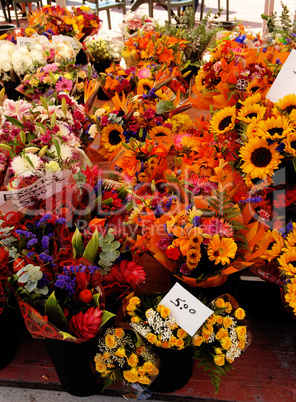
[(287, 262), (223, 120), (285, 105), (290, 144), (162, 135), (250, 113), (221, 250), (271, 245), (112, 137), (259, 158), (275, 128)]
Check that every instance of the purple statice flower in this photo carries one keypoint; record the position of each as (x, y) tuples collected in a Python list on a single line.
[(31, 242), (25, 233), (43, 281), (67, 283), (44, 219), (30, 254), (252, 199), (280, 147), (45, 242), (61, 221), (240, 39), (188, 207), (93, 269), (158, 211), (163, 243), (196, 221), (46, 258)]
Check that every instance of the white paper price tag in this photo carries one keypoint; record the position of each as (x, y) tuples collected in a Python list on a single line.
[(285, 82), (188, 311)]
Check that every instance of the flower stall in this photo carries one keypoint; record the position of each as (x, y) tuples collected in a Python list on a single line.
[(142, 183)]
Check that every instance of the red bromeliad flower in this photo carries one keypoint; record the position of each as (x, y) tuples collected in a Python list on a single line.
[(116, 203), (86, 325), (128, 272)]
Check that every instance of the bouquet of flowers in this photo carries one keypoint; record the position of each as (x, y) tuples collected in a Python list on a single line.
[(153, 321), (91, 20), (59, 296), (55, 78), (121, 355), (222, 338), (102, 47), (15, 61), (134, 24), (43, 138)]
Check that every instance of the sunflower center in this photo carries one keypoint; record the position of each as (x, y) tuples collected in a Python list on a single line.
[(255, 89), (146, 87), (275, 130), (114, 137), (224, 123), (293, 144), (261, 157), (289, 109), (216, 253), (160, 135), (270, 245), (250, 115)]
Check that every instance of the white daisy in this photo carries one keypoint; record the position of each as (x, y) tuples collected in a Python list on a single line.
[(22, 167)]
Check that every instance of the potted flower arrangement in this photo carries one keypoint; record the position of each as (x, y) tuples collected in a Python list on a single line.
[(123, 356), (102, 50), (222, 338), (153, 322), (59, 296), (134, 24)]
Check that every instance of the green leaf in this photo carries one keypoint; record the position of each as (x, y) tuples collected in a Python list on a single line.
[(92, 247), (164, 106), (55, 313), (15, 122), (53, 120), (23, 137), (106, 317), (53, 78), (58, 147), (77, 244), (96, 299), (64, 106), (44, 103), (29, 161), (66, 335)]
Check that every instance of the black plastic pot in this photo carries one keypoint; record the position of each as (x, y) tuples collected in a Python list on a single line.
[(72, 363), (9, 341), (175, 369)]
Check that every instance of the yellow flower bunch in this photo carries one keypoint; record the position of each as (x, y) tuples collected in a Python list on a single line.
[(155, 323), (221, 335), (122, 355)]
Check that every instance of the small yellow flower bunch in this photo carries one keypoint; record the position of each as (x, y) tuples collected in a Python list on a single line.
[(123, 356), (153, 321), (222, 337)]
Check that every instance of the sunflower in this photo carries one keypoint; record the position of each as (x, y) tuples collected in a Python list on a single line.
[(290, 144), (290, 295), (112, 137), (285, 106), (250, 113), (221, 250), (271, 245), (193, 258), (144, 86), (257, 86), (162, 135), (290, 240), (259, 159), (275, 128), (287, 262), (223, 120), (251, 100)]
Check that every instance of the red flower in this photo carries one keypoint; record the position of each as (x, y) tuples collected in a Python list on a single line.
[(128, 272), (86, 325), (173, 253), (82, 280)]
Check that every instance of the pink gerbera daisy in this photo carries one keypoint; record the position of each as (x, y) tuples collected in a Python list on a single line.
[(64, 85)]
